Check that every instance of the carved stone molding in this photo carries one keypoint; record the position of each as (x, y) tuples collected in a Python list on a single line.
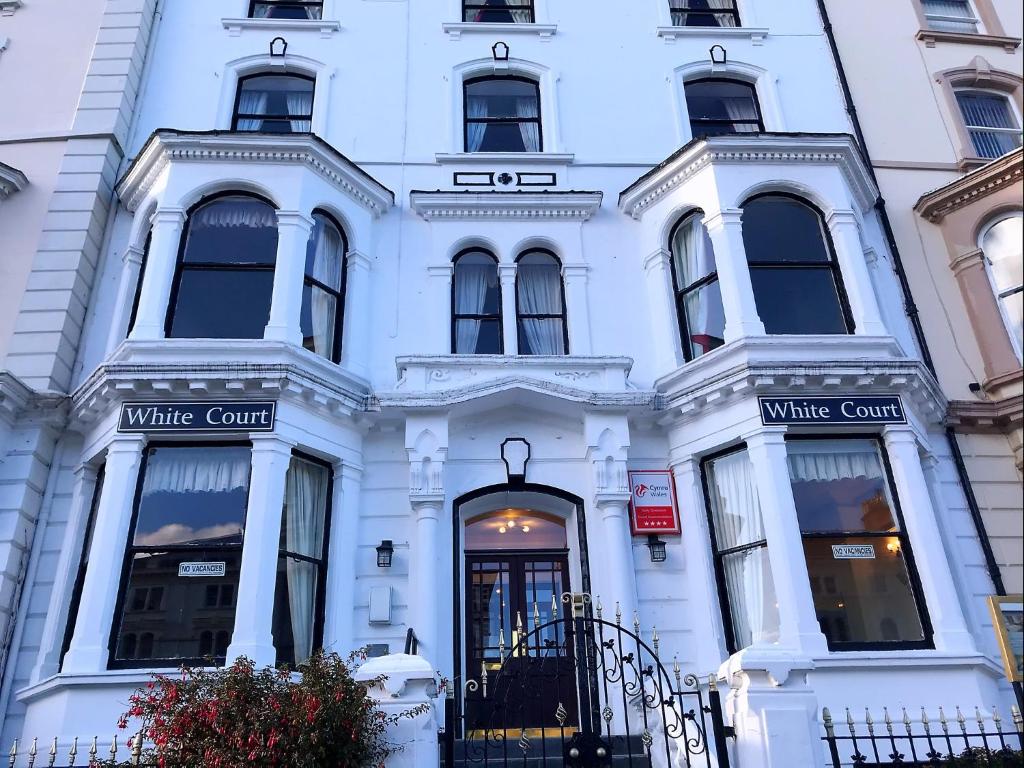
[(465, 205), (992, 416), (990, 178), (11, 180)]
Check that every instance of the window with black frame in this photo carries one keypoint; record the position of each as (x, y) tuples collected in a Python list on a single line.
[(704, 13), (302, 564), (750, 609), (719, 107), (498, 11), (83, 565), (138, 283), (224, 280), (502, 114), (991, 122), (797, 284), (296, 10), (323, 292), (476, 304), (540, 304), (698, 294), (186, 536), (865, 587), (274, 104)]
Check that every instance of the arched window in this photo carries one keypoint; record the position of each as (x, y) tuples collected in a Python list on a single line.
[(540, 304), (990, 120), (704, 13), (274, 104), (225, 275), (476, 304), (498, 11), (719, 107), (695, 283), (1001, 244), (323, 293), (286, 9), (502, 114), (797, 284)]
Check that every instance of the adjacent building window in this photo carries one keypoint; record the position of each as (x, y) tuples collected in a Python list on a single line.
[(186, 537), (476, 304), (704, 13), (274, 104), (720, 107), (1001, 244), (502, 114), (225, 274), (499, 11), (866, 590), (540, 305), (83, 565), (302, 564), (286, 9), (950, 15), (323, 292), (797, 284), (746, 589), (695, 281), (991, 122)]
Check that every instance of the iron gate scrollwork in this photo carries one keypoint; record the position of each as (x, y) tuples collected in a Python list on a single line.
[(579, 690)]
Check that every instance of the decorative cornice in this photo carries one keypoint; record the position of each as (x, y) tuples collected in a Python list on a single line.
[(19, 403), (464, 206), (167, 146), (989, 179), (11, 180), (931, 36), (838, 149), (992, 416)]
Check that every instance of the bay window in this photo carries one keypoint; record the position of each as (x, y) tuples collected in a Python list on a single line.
[(83, 565), (323, 292), (695, 284), (286, 9), (719, 107), (704, 13), (540, 305), (498, 11), (990, 121), (502, 114), (476, 304), (186, 537), (274, 104), (1004, 262), (865, 587)]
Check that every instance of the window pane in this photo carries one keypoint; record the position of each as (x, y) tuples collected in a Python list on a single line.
[(1003, 245), (870, 598), (705, 318), (76, 592), (735, 508), (325, 252), (721, 107), (781, 229), (982, 110), (498, 11), (950, 15), (286, 97), (753, 606), (183, 614), (194, 496), (285, 10), (693, 255), (541, 336), (318, 320), (232, 230), (839, 485), (305, 508), (797, 300), (703, 13), (477, 291), (502, 97), (515, 529), (222, 305), (1013, 310), (294, 609), (478, 337)]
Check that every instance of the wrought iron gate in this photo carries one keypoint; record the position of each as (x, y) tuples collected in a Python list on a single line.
[(579, 690)]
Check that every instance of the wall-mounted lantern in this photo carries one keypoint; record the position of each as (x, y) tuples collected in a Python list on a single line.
[(657, 547), (385, 552), (515, 452)]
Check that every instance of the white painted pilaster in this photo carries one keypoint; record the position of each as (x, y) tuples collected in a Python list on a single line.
[(726, 231), (167, 225), (293, 230), (355, 348), (509, 313), (662, 308), (341, 570), (577, 308), (856, 277), (131, 270)]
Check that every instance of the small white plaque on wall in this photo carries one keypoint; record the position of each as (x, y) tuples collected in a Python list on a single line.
[(380, 605)]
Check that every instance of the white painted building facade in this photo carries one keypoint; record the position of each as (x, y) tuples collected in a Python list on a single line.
[(394, 426)]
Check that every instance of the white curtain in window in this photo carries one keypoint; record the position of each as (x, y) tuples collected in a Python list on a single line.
[(741, 108), (471, 283), (527, 107), (300, 103), (261, 11), (540, 293), (251, 103), (476, 106), (234, 213), (833, 460), (199, 471), (725, 20), (305, 508), (1002, 245), (327, 265), (520, 15)]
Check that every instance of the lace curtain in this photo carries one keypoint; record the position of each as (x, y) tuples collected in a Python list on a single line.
[(530, 131), (823, 461), (234, 212), (251, 103), (196, 470), (305, 508), (471, 284), (476, 106), (540, 293), (300, 103), (328, 260)]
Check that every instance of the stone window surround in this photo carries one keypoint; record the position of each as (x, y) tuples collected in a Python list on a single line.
[(764, 86), (748, 25), (991, 32), (981, 75)]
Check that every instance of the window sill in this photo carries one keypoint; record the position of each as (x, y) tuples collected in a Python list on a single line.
[(325, 27), (124, 678), (932, 36), (906, 659), (755, 34), (455, 29), (547, 158)]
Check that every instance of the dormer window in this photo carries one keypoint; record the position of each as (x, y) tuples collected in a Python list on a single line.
[(301, 10), (274, 104), (704, 13), (498, 11)]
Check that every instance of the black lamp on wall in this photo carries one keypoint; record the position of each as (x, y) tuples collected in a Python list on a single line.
[(657, 547), (385, 552)]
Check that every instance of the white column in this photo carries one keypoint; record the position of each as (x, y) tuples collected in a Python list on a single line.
[(799, 628), (355, 348), (509, 326), (856, 277), (618, 568), (726, 231), (48, 661), (252, 635), (167, 225), (293, 230), (131, 267), (424, 553), (577, 308), (699, 565), (930, 556), (89, 649), (662, 308), (339, 632)]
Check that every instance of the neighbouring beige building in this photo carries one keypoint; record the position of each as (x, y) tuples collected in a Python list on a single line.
[(937, 89)]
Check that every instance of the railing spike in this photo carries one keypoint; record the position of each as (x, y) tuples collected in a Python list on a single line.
[(554, 607), (826, 718), (13, 754), (943, 721), (655, 640), (73, 752), (113, 748), (32, 752), (980, 720), (925, 723), (600, 608), (906, 721), (997, 719), (519, 625), (888, 720), (869, 721), (501, 644), (849, 722), (137, 748), (483, 677), (1017, 719), (618, 613), (636, 623), (53, 752), (94, 750), (536, 616)]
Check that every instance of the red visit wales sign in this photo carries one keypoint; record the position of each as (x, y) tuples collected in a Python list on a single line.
[(652, 502)]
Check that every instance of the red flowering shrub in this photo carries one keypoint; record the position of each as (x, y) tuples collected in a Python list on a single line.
[(237, 716)]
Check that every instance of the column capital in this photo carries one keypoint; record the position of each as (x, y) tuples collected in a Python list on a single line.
[(85, 472), (427, 506), (900, 434), (441, 270), (972, 259), (575, 271), (272, 444), (507, 272), (611, 502), (132, 443), (346, 471), (715, 220), (171, 216), (773, 435), (657, 259), (358, 260), (294, 219), (839, 217), (132, 255)]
